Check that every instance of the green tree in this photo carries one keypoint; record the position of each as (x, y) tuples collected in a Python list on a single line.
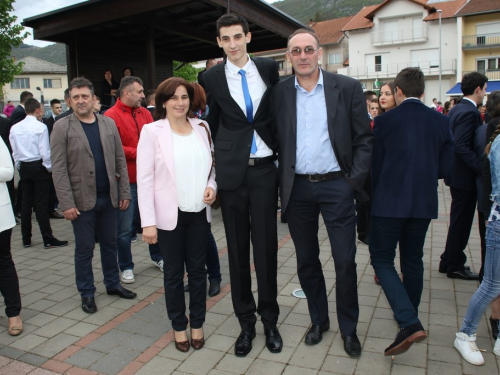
[(186, 71), (10, 35)]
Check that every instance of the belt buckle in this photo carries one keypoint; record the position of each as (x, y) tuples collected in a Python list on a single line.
[(251, 162)]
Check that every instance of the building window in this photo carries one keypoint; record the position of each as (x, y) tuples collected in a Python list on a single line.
[(333, 58), (378, 63), (20, 83), (483, 65), (425, 58), (281, 64), (51, 83)]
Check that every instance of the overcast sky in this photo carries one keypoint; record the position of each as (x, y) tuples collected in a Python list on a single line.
[(29, 8)]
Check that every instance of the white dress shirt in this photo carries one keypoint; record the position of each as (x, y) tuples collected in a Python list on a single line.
[(29, 139), (257, 88)]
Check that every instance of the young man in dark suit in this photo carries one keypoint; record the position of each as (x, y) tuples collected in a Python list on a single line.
[(464, 120), (325, 151), (19, 113), (413, 149), (239, 98)]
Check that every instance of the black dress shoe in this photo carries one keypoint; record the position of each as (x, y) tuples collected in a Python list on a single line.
[(244, 343), (443, 268), (274, 342), (494, 327), (405, 338), (214, 288), (88, 305), (464, 274), (352, 346), (315, 333), (364, 239), (122, 293)]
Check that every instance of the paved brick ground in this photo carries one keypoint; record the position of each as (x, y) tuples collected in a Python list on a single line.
[(135, 337)]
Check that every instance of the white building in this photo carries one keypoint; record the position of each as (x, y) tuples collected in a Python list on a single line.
[(386, 38), (52, 79)]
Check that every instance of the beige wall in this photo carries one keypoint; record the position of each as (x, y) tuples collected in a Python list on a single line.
[(470, 22), (36, 80)]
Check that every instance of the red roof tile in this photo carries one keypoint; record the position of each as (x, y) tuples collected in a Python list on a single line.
[(330, 31), (448, 8), (359, 20), (478, 7)]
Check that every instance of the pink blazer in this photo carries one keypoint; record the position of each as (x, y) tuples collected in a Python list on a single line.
[(156, 186)]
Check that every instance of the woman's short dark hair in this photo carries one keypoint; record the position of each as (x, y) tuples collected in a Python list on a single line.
[(493, 104), (199, 99), (127, 68), (166, 90)]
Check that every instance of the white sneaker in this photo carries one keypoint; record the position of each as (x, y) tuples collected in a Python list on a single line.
[(496, 348), (467, 347), (159, 264), (127, 277)]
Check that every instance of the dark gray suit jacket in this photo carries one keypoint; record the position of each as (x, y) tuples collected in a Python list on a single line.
[(348, 127)]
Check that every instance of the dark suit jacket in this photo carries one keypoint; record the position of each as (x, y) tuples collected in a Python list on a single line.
[(413, 149), (464, 120), (348, 127), (151, 110), (64, 114), (49, 121), (19, 114), (231, 131), (5, 125), (201, 80)]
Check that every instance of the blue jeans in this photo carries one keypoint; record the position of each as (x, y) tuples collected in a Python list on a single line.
[(125, 233), (490, 287), (385, 233), (101, 220)]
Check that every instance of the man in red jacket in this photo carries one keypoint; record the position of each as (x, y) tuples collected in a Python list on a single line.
[(130, 117)]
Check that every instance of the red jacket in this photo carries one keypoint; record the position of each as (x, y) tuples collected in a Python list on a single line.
[(129, 122)]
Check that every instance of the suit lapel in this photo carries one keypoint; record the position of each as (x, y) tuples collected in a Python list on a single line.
[(261, 67), (224, 88), (331, 100), (291, 104), (77, 127), (164, 134)]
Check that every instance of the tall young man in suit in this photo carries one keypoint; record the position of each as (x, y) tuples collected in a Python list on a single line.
[(239, 98), (404, 184), (19, 113), (56, 108), (325, 152), (464, 120)]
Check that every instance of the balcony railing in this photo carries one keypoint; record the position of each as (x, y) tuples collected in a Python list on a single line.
[(493, 74), (400, 36), (480, 41), (391, 70)]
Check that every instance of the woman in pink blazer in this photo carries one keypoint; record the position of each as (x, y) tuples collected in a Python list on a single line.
[(176, 186)]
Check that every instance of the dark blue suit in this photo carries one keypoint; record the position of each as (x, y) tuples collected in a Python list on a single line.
[(413, 149), (464, 120)]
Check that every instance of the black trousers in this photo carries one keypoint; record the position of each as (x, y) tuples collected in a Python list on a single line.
[(249, 212), (463, 206), (482, 236), (35, 183), (9, 283), (363, 211), (185, 245), (334, 199)]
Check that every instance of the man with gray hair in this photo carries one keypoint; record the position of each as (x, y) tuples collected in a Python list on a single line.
[(130, 117), (84, 170)]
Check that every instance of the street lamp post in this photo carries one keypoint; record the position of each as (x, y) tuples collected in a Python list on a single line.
[(440, 61)]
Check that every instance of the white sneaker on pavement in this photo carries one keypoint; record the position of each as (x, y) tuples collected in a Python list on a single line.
[(496, 348), (127, 277), (467, 347), (159, 264)]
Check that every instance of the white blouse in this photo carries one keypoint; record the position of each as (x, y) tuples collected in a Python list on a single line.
[(7, 219), (191, 174)]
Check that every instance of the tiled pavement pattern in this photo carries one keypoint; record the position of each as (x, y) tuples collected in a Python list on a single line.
[(135, 337)]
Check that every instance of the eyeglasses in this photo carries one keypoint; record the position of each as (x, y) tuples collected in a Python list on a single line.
[(298, 51)]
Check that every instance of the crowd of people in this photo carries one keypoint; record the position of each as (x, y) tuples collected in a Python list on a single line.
[(366, 163)]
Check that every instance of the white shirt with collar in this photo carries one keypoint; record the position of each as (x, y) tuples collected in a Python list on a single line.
[(29, 139), (257, 89), (470, 100)]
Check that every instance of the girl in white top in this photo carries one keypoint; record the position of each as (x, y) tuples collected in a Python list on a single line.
[(9, 283)]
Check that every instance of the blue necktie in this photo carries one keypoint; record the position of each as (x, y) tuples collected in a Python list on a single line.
[(248, 105)]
